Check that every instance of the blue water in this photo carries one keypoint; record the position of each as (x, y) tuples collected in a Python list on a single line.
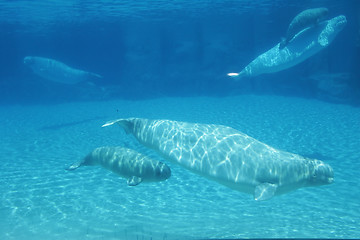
[(168, 60)]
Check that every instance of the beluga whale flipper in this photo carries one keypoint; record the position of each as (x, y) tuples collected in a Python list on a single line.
[(303, 45), (127, 163), (56, 71), (228, 156), (307, 18)]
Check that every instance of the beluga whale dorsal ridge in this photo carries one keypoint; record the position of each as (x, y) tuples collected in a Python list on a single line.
[(307, 18), (303, 45), (57, 71), (127, 163), (228, 156)]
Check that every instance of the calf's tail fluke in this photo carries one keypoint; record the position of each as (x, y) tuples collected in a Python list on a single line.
[(74, 166)]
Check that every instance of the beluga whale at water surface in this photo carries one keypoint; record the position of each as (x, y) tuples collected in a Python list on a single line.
[(303, 45), (228, 156), (127, 163), (56, 71)]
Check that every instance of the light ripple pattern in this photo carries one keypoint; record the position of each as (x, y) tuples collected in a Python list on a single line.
[(40, 200)]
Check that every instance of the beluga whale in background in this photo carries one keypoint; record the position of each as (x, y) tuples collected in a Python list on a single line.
[(229, 157), (127, 163), (303, 45), (56, 71), (307, 18)]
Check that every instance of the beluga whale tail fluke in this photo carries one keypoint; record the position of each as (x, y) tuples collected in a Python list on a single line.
[(300, 47), (57, 71), (228, 156), (127, 163)]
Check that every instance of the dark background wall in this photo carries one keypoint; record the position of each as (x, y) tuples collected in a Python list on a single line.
[(177, 54)]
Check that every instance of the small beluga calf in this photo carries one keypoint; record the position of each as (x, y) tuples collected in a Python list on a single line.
[(127, 163), (228, 156), (307, 18)]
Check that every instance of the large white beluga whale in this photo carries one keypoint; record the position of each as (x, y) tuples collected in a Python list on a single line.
[(303, 45), (56, 71), (228, 156)]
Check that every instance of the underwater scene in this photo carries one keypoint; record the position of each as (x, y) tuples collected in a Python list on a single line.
[(179, 119)]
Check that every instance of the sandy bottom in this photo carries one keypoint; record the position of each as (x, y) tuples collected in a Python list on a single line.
[(40, 200)]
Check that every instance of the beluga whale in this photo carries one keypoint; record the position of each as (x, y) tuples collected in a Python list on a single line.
[(228, 156), (307, 18), (57, 71), (302, 46), (127, 163)]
